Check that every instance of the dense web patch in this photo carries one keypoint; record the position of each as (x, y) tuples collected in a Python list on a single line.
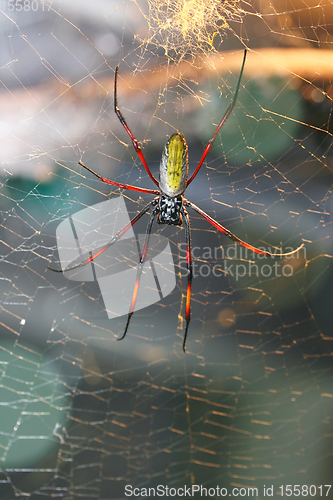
[(250, 404), (182, 28)]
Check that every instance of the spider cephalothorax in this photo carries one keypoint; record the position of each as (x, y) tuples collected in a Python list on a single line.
[(169, 205), (170, 210)]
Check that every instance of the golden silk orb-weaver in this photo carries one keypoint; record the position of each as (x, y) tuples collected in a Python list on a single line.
[(169, 205)]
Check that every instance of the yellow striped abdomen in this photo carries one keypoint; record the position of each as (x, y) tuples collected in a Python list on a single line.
[(174, 166)]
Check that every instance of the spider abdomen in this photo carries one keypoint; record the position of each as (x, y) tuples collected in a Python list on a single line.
[(174, 166), (170, 210)]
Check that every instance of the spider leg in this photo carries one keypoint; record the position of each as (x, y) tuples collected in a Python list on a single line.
[(126, 127), (112, 241), (118, 184), (227, 113), (234, 238), (189, 273), (139, 271)]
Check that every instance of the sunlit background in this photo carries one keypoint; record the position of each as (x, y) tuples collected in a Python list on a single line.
[(250, 403)]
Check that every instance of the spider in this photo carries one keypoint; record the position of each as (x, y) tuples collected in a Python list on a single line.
[(169, 205)]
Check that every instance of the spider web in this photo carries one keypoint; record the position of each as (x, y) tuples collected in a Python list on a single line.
[(250, 403)]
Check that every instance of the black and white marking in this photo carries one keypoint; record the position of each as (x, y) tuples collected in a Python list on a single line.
[(170, 209)]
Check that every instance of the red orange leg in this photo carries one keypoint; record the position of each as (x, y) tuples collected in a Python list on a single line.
[(234, 238), (126, 127), (139, 271), (189, 274), (222, 122), (119, 184), (112, 241)]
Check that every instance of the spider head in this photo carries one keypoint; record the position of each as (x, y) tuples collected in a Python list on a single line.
[(170, 210), (174, 166)]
